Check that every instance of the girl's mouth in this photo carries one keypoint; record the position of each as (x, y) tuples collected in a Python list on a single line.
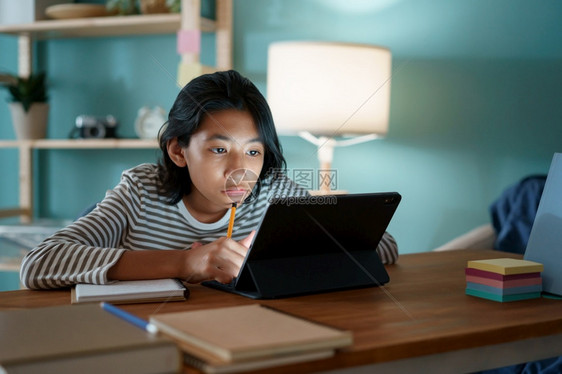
[(236, 194)]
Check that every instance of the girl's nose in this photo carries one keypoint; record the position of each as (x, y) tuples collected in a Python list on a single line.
[(235, 162)]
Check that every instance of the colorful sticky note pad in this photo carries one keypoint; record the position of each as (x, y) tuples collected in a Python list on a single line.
[(504, 279)]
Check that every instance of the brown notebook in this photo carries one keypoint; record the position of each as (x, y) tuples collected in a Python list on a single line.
[(80, 339), (249, 332)]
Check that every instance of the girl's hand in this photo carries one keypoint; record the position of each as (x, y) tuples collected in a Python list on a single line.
[(220, 260)]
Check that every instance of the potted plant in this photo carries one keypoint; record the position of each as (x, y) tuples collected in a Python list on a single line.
[(28, 104)]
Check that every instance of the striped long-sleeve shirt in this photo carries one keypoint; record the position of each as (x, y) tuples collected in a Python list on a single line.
[(134, 216)]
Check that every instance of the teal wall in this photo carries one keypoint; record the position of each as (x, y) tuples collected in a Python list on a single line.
[(476, 102)]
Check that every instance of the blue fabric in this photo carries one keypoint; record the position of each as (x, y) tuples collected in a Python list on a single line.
[(513, 214), (547, 366)]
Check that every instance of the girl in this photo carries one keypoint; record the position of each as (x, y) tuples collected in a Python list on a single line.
[(169, 220)]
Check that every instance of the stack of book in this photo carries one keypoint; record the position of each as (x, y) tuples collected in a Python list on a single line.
[(504, 279), (249, 337)]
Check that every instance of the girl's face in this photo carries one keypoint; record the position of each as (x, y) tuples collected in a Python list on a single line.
[(224, 157)]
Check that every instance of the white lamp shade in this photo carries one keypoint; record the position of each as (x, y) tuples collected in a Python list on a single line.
[(329, 88)]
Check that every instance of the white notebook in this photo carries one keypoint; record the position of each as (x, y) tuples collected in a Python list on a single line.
[(124, 292)]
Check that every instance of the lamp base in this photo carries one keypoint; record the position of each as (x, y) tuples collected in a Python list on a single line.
[(325, 155)]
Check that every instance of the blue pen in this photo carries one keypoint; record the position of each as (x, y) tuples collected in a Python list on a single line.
[(139, 322)]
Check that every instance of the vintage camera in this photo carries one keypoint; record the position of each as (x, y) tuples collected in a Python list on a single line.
[(91, 127)]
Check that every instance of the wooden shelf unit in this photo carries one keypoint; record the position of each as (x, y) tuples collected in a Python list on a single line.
[(25, 151), (103, 27)]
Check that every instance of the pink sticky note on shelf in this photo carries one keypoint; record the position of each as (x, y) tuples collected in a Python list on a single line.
[(189, 41)]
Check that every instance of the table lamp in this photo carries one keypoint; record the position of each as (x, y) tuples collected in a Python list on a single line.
[(324, 90)]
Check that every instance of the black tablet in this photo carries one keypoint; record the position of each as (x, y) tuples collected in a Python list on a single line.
[(316, 244)]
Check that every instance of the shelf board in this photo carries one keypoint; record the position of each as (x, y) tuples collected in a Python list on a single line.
[(5, 212), (81, 143), (12, 267), (104, 26)]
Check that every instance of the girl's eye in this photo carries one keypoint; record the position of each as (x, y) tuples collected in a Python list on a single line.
[(254, 153), (218, 150)]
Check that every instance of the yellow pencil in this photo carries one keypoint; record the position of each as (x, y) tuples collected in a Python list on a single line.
[(231, 222)]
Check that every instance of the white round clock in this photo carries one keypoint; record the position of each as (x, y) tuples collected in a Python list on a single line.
[(149, 121)]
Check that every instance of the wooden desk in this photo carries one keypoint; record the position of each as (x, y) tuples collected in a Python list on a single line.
[(421, 319)]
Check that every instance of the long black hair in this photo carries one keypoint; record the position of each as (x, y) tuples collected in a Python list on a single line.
[(203, 96)]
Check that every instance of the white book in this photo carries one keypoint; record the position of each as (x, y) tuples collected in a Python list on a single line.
[(123, 292)]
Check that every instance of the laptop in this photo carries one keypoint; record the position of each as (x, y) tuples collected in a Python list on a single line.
[(315, 244), (545, 241)]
